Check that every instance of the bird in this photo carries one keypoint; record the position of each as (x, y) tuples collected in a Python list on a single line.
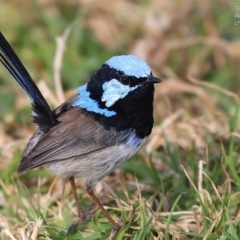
[(94, 132)]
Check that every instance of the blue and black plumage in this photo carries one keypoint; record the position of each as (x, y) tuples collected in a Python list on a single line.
[(43, 116), (94, 132)]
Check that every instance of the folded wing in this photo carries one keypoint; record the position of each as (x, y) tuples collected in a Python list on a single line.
[(74, 136)]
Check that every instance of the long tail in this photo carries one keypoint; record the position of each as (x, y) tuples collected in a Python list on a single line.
[(42, 115)]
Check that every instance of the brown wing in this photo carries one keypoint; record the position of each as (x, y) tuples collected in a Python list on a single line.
[(75, 135)]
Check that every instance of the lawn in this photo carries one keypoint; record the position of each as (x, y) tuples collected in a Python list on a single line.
[(184, 183)]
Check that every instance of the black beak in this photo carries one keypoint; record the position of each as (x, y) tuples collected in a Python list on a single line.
[(152, 80)]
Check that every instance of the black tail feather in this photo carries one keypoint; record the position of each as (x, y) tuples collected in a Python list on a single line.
[(43, 116)]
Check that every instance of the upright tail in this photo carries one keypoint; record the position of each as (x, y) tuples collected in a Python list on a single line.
[(42, 115)]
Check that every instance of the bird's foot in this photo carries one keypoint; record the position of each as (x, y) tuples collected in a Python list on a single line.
[(83, 216), (115, 229)]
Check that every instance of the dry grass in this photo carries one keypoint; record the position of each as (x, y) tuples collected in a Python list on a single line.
[(196, 122)]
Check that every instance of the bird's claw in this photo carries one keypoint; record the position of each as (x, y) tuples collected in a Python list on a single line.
[(115, 229), (82, 216)]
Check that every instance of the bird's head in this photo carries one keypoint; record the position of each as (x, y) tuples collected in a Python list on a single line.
[(120, 95), (119, 77)]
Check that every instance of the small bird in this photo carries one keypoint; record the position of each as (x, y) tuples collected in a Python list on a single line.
[(94, 132)]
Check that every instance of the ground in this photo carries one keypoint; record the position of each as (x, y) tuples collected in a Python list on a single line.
[(184, 183)]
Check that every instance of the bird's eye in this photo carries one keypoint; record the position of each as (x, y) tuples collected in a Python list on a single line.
[(125, 80)]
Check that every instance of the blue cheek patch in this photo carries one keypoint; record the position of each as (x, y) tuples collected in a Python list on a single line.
[(84, 101), (113, 91), (130, 65)]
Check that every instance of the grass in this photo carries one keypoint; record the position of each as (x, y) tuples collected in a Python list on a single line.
[(184, 183)]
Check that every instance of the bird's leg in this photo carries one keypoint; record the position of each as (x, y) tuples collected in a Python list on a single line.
[(74, 191), (79, 209), (81, 215), (115, 226), (104, 211), (84, 216)]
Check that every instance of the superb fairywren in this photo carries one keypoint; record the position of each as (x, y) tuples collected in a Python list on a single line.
[(94, 132)]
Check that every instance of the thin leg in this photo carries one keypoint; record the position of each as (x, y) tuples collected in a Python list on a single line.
[(84, 216), (115, 226), (62, 197), (79, 209), (74, 191), (104, 211)]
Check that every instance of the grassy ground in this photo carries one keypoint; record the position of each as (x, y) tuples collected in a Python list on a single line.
[(184, 183)]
